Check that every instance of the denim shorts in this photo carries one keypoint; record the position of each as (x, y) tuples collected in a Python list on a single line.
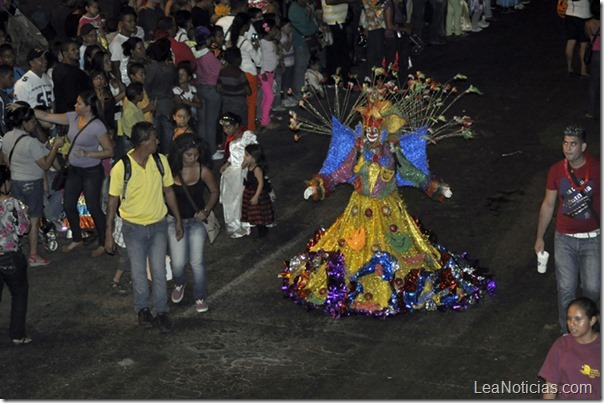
[(31, 193)]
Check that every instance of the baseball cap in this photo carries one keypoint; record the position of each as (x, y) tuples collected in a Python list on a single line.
[(86, 29), (35, 53)]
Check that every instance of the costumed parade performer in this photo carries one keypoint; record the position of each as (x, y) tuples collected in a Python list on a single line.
[(375, 259)]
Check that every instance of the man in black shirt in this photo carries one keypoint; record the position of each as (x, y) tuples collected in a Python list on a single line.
[(69, 81)]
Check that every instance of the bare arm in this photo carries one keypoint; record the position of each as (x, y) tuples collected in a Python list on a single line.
[(207, 176), (260, 178), (545, 217), (111, 212), (56, 118), (173, 205), (550, 395), (46, 162)]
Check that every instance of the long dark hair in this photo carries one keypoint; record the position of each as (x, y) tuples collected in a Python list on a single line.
[(17, 117), (98, 61), (90, 49), (240, 21), (186, 142), (257, 153), (590, 308)]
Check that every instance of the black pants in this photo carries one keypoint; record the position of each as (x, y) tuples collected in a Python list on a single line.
[(375, 49), (337, 55), (401, 46), (89, 181), (18, 286)]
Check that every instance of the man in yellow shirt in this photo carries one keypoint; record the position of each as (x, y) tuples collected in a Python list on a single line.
[(145, 228)]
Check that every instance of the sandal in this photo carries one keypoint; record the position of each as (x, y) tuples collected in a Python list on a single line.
[(72, 246), (21, 342), (37, 260)]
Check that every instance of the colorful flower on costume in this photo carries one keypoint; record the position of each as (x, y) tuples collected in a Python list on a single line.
[(376, 259)]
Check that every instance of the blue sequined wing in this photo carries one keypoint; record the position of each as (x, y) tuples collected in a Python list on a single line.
[(413, 148), (342, 143)]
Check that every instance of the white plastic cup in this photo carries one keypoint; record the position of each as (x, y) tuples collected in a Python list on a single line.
[(542, 258)]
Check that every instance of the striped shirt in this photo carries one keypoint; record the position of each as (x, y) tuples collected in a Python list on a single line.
[(334, 14), (233, 81), (208, 68)]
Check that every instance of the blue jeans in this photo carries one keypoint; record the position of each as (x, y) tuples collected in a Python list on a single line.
[(89, 181), (148, 242), (211, 113), (189, 248), (302, 57), (576, 258)]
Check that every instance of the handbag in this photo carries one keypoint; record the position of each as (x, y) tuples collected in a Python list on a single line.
[(326, 36), (211, 222), (11, 262), (313, 43), (58, 183)]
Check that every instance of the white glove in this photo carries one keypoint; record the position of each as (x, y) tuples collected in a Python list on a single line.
[(447, 192), (309, 192)]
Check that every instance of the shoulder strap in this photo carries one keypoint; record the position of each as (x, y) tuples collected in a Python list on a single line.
[(577, 182), (76, 137), (128, 170), (186, 190), (160, 165), (127, 173), (13, 149)]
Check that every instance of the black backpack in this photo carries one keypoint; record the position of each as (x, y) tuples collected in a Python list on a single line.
[(128, 170)]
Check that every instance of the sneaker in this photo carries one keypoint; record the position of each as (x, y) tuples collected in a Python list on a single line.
[(289, 103), (241, 232), (145, 319), (163, 322), (218, 155), (118, 288), (178, 293), (477, 29), (201, 305), (483, 24), (279, 109), (21, 342)]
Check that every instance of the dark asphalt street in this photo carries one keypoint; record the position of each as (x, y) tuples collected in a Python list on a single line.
[(253, 344)]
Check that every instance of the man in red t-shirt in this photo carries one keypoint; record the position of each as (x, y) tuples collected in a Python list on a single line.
[(575, 182)]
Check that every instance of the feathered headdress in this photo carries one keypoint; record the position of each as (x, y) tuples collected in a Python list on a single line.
[(421, 102)]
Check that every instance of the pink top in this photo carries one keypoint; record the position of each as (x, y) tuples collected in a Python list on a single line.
[(208, 68), (596, 44)]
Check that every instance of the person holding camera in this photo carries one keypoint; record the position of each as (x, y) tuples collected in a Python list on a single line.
[(575, 182), (245, 37)]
